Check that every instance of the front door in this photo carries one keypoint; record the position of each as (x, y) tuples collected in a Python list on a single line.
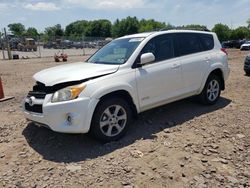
[(162, 79)]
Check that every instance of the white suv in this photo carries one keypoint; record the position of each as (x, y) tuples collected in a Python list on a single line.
[(128, 76)]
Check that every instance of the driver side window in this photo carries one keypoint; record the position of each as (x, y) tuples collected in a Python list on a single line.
[(161, 46)]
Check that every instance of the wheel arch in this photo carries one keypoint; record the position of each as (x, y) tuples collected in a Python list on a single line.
[(115, 97), (217, 70), (123, 94)]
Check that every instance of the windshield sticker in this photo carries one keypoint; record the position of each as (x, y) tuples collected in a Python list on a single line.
[(136, 40)]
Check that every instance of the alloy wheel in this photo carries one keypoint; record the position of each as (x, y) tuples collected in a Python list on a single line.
[(113, 120), (213, 90)]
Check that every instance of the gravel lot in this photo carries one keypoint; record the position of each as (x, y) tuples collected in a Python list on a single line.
[(183, 144)]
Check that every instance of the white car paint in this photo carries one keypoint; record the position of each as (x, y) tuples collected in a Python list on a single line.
[(149, 86), (73, 72), (158, 82)]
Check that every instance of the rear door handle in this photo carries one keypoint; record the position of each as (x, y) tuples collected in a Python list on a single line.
[(176, 66), (207, 59)]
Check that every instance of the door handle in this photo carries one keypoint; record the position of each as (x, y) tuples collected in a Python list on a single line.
[(176, 66), (207, 59)]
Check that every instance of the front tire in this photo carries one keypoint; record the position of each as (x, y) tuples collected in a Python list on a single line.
[(111, 120), (211, 91)]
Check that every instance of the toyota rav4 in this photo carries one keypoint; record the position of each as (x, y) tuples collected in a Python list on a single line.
[(129, 75)]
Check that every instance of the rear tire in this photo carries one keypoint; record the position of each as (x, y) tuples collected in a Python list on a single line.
[(211, 91), (111, 119)]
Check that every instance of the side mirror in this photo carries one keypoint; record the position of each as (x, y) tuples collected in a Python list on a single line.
[(147, 58)]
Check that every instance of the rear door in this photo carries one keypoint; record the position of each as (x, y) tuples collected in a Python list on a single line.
[(194, 60)]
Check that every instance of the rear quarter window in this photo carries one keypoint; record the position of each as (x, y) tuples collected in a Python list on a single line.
[(207, 41)]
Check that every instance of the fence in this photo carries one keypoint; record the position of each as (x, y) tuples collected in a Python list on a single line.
[(28, 47)]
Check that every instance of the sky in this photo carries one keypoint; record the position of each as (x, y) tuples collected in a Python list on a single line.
[(44, 13)]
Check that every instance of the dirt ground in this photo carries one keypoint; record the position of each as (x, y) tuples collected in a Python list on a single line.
[(183, 144)]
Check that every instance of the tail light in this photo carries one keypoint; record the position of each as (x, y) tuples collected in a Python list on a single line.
[(224, 50)]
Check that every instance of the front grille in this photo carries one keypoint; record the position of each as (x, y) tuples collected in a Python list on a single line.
[(39, 93), (34, 108)]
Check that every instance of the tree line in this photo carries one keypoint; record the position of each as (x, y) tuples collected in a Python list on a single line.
[(130, 25)]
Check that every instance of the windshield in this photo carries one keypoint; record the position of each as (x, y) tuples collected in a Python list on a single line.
[(116, 52)]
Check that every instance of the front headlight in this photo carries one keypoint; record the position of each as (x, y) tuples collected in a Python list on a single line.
[(68, 93)]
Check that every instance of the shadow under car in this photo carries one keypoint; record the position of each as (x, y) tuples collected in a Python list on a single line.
[(59, 147)]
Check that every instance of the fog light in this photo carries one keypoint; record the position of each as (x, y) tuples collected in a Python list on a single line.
[(69, 119)]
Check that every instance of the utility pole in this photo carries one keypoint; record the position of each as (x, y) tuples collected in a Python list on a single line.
[(2, 44), (39, 47), (3, 51), (84, 45), (7, 44)]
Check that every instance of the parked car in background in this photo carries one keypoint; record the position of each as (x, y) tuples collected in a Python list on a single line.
[(128, 76), (245, 46), (77, 45), (232, 44), (59, 44), (66, 44), (49, 45), (247, 65)]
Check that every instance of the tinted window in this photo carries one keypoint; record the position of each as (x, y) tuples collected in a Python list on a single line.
[(207, 41), (161, 46), (188, 43)]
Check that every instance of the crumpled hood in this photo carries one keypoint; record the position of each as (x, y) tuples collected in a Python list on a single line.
[(73, 72)]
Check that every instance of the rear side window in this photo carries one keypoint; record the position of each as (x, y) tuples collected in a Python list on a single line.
[(207, 41), (161, 46), (189, 43)]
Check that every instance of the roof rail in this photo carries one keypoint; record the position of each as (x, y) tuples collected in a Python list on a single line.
[(183, 28)]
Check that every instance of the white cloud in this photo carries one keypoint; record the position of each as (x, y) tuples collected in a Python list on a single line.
[(42, 6), (107, 4), (3, 7)]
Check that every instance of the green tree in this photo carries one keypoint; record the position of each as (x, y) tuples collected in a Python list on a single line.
[(115, 28), (17, 29), (31, 32), (54, 32), (99, 28), (240, 33), (76, 30), (150, 25), (169, 26), (129, 25), (196, 27), (222, 31), (248, 24), (106, 28), (58, 30)]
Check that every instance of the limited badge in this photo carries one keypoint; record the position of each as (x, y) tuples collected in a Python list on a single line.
[(31, 101)]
